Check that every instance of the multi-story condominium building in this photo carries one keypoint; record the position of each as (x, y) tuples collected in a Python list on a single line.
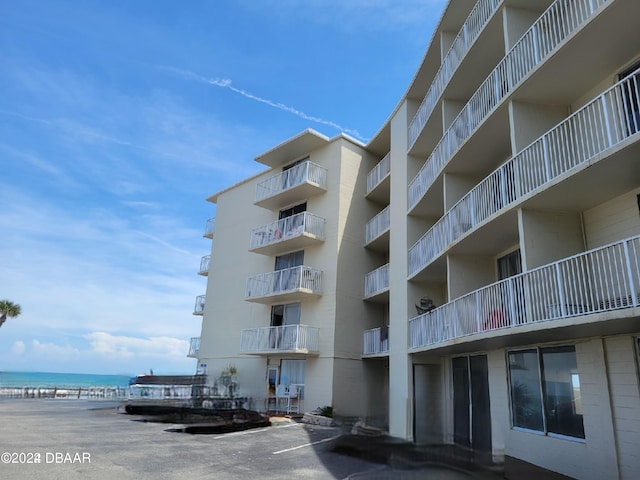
[(284, 299), (471, 275)]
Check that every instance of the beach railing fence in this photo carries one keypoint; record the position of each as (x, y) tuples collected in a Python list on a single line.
[(65, 392)]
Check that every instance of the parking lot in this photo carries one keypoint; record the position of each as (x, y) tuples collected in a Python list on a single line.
[(89, 440)]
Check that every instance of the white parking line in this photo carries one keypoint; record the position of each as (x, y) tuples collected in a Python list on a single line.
[(306, 445), (243, 432), (289, 425), (253, 430)]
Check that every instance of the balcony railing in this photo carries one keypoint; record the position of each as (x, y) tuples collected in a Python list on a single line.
[(302, 224), (306, 173), (375, 341), (208, 228), (377, 281), (473, 26), (600, 280), (378, 225), (285, 338), (559, 21), (379, 172), (204, 265), (300, 279), (199, 308), (194, 347), (601, 124)]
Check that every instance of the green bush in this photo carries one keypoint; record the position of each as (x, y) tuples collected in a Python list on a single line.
[(326, 411)]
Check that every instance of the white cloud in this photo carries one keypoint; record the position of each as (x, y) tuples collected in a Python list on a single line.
[(18, 347), (52, 350), (151, 347), (100, 352), (226, 83), (108, 137), (94, 270)]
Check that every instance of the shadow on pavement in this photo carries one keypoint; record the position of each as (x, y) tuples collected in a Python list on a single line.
[(408, 461)]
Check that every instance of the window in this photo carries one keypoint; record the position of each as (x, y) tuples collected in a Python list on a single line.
[(297, 162), (290, 221), (509, 305), (285, 314), (291, 211), (292, 373), (293, 176), (545, 391), (294, 259), (631, 93), (509, 265)]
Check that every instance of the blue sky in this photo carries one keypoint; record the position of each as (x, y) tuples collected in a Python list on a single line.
[(117, 120)]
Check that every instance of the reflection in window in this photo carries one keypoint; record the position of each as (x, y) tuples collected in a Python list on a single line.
[(289, 260), (526, 397), (631, 95), (292, 372), (559, 385), (545, 391)]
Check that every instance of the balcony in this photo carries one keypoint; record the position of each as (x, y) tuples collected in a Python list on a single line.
[(557, 23), (597, 281), (204, 265), (194, 347), (375, 342), (572, 145), (287, 234), (287, 285), (378, 181), (376, 285), (377, 231), (285, 339), (473, 26), (295, 184), (208, 228), (199, 308)]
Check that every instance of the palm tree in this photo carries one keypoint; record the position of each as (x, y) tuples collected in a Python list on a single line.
[(8, 310)]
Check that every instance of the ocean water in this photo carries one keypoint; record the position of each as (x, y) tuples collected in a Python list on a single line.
[(61, 380)]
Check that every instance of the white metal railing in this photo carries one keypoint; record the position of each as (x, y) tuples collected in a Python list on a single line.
[(194, 347), (601, 124), (471, 29), (378, 225), (375, 341), (602, 279), (286, 228), (288, 280), (285, 337), (306, 172), (199, 307), (164, 392), (379, 172), (560, 20), (377, 281), (208, 227), (204, 264), (85, 393)]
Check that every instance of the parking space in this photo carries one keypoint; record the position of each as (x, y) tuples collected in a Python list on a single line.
[(76, 439), (119, 446)]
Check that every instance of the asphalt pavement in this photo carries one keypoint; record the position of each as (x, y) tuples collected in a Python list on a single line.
[(78, 439)]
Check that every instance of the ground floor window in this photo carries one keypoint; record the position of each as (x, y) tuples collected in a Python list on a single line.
[(545, 391), (292, 372)]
